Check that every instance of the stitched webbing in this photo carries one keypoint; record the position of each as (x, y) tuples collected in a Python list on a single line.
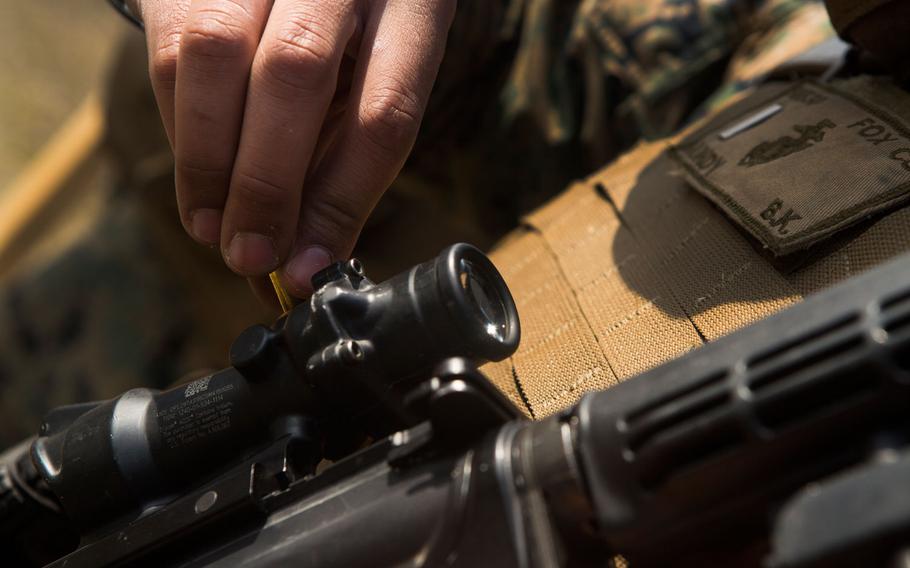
[(633, 267)]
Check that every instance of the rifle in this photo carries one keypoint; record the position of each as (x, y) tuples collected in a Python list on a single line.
[(783, 444)]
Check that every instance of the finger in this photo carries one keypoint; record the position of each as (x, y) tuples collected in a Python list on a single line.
[(400, 55), (163, 20), (216, 51), (293, 79), (335, 114)]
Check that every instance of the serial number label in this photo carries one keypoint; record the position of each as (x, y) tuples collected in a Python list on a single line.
[(199, 414)]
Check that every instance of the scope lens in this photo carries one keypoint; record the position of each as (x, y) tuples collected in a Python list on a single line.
[(484, 297)]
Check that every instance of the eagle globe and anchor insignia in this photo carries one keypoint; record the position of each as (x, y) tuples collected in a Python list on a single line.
[(769, 151)]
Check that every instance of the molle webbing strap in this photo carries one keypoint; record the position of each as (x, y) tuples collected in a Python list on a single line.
[(633, 267), (501, 375), (601, 299), (714, 274), (845, 12), (883, 240), (630, 311), (559, 358)]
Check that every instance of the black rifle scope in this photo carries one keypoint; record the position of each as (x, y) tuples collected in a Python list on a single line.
[(335, 369)]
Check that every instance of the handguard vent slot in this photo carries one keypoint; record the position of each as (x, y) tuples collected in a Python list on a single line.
[(812, 374), (705, 436), (898, 301), (661, 435), (645, 423), (781, 352), (896, 314), (832, 379), (789, 372)]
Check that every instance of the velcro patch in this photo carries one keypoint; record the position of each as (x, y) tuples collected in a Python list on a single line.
[(802, 166)]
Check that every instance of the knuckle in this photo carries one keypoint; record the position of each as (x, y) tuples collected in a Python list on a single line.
[(220, 33), (197, 174), (334, 216), (259, 193), (163, 65), (299, 55), (390, 118)]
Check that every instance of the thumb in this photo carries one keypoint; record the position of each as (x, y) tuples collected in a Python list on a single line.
[(330, 222)]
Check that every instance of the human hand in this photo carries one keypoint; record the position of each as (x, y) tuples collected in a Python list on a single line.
[(289, 118)]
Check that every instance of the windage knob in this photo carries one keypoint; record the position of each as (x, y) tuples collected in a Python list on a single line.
[(351, 269), (254, 352)]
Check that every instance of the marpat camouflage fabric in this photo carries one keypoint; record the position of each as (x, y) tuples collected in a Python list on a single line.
[(564, 85), (568, 85)]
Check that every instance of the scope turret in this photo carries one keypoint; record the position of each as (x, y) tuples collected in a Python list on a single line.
[(335, 369)]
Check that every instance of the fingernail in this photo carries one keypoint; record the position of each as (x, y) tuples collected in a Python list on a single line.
[(307, 262), (251, 254), (206, 225)]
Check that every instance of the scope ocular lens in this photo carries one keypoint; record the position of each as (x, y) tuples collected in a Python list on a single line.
[(478, 303), (484, 297)]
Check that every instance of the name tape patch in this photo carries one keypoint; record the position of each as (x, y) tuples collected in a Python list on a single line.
[(822, 161)]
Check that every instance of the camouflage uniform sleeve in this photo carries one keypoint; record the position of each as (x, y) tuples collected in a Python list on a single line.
[(779, 30), (628, 69), (570, 84)]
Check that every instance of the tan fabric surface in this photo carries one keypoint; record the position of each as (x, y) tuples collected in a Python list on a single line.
[(823, 160), (616, 287), (714, 273), (633, 267), (559, 358), (880, 92), (882, 241), (500, 374)]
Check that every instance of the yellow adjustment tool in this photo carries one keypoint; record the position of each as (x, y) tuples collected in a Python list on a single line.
[(286, 300)]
